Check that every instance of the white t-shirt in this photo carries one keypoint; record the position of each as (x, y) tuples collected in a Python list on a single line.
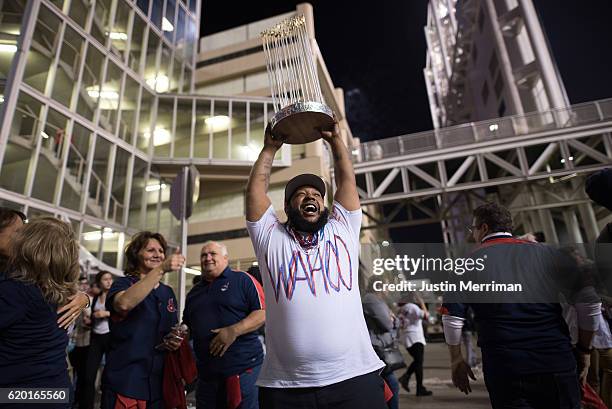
[(411, 316), (100, 324), (316, 333)]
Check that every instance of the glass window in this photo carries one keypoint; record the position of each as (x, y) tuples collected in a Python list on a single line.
[(137, 194), (161, 82), (118, 192), (150, 70), (78, 11), (44, 45), (137, 44), (109, 97), (219, 124), (191, 34), (238, 124), (91, 237), (11, 13), (51, 153), (187, 76), (144, 6), (101, 21), (89, 94), (169, 23), (157, 13), (144, 120), (182, 138), (128, 109), (192, 6), (157, 191), (112, 244), (258, 123), (162, 134), (180, 33), (201, 142), (119, 34), (68, 67), (175, 79), (24, 127), (97, 178), (76, 166)]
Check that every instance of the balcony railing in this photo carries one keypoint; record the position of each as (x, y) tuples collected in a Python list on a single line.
[(497, 128)]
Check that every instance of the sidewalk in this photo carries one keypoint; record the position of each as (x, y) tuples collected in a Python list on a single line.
[(438, 380)]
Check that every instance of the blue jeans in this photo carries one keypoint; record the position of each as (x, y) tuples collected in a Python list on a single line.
[(536, 391), (212, 394), (394, 386)]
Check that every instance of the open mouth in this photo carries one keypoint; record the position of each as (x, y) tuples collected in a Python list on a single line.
[(310, 209)]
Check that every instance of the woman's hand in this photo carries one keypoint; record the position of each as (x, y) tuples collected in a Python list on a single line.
[(71, 311), (174, 262)]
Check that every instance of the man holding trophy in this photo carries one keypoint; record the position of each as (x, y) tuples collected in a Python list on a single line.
[(318, 348), (319, 351)]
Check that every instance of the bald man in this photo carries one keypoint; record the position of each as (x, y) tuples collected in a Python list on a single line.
[(223, 312)]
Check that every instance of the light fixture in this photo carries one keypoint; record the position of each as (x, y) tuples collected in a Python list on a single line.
[(8, 48), (443, 11), (167, 25), (1, 98), (571, 158), (493, 127), (97, 235), (161, 136), (95, 92), (218, 122), (193, 271), (156, 187), (44, 135), (114, 35), (160, 83)]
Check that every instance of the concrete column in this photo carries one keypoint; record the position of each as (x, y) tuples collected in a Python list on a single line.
[(551, 78), (571, 224), (514, 101), (546, 220)]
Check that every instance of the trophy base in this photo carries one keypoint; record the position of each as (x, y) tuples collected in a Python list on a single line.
[(301, 120)]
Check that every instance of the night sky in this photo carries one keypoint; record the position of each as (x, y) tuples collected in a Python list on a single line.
[(375, 51)]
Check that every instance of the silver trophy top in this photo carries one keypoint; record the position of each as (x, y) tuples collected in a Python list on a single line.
[(294, 83)]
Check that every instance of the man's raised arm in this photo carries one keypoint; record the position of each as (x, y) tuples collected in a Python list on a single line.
[(346, 187), (257, 200)]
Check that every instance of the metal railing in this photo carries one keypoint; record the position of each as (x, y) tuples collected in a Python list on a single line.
[(576, 115)]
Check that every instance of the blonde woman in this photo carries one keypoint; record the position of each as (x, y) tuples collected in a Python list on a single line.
[(42, 275)]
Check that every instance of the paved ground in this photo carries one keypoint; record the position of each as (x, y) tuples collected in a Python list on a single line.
[(438, 380)]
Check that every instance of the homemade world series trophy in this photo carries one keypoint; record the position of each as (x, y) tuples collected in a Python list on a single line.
[(299, 107)]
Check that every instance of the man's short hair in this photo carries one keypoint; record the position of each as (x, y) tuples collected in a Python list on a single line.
[(497, 217), (222, 246)]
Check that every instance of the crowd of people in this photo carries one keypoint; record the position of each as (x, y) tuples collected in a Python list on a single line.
[(325, 346)]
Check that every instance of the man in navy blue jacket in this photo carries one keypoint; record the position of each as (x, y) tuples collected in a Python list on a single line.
[(223, 312), (528, 359)]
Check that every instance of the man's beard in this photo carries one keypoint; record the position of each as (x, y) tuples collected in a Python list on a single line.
[(300, 224)]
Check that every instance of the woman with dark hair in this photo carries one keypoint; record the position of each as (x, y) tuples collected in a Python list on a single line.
[(100, 337), (43, 273), (143, 312)]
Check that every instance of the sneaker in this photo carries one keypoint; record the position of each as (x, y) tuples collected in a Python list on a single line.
[(424, 392)]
